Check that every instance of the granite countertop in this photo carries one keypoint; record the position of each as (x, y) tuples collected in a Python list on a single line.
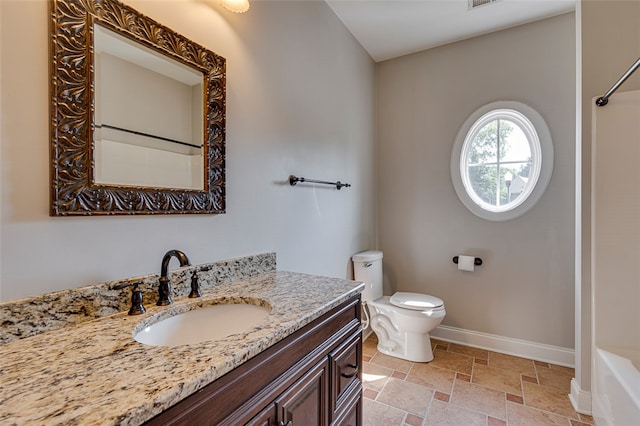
[(96, 373)]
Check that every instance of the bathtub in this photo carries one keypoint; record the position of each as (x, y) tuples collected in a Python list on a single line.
[(616, 396)]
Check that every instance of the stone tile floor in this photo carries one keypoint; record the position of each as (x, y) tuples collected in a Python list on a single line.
[(464, 386)]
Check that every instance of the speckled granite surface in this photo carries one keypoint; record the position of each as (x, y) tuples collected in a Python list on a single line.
[(96, 373), (27, 317)]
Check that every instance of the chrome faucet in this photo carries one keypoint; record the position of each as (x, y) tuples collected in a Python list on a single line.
[(164, 288)]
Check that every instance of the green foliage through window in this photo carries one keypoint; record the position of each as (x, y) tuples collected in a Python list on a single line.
[(495, 181)]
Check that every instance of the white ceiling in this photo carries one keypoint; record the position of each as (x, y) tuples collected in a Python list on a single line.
[(392, 28)]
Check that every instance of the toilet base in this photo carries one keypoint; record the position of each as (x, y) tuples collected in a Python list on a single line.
[(418, 350)]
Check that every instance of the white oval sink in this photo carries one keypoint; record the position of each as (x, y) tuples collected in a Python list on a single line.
[(202, 324)]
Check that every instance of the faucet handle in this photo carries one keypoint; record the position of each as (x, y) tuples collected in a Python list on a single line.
[(137, 307), (195, 287)]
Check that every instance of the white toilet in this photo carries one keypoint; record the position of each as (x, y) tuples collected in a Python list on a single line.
[(403, 321)]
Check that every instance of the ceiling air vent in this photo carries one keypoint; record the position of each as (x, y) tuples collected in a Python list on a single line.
[(477, 3)]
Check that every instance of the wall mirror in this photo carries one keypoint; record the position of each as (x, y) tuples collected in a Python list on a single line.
[(137, 115)]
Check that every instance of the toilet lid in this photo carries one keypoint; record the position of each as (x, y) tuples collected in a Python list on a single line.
[(415, 301)]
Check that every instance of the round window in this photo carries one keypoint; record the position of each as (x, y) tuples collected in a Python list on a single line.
[(502, 160)]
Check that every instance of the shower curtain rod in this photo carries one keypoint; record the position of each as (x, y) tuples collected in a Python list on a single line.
[(604, 99)]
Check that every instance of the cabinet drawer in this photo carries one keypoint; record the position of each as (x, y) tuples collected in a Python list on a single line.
[(345, 362), (350, 413)]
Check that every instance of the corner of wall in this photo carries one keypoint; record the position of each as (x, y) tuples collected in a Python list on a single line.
[(1, 133), (579, 397)]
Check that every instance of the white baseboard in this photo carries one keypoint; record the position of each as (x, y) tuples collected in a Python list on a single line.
[(580, 399), (506, 345)]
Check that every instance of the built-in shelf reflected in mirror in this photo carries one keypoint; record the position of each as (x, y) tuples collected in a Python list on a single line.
[(148, 127), (137, 115)]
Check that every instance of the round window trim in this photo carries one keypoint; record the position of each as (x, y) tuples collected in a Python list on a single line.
[(525, 125), (539, 137)]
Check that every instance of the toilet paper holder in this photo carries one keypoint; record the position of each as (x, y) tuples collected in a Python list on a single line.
[(476, 260)]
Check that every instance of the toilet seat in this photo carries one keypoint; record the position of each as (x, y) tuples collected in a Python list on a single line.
[(415, 301)]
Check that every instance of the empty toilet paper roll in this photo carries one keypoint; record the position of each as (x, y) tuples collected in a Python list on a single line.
[(466, 263)]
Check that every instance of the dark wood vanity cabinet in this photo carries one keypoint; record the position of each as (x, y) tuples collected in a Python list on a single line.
[(303, 403), (312, 377)]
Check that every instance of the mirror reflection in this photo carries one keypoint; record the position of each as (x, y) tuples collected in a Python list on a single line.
[(148, 116)]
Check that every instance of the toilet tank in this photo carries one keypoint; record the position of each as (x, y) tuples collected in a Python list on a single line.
[(367, 267)]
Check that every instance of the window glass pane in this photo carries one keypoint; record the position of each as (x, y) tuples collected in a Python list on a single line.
[(516, 145), (484, 147), (506, 129), (515, 178), (483, 181)]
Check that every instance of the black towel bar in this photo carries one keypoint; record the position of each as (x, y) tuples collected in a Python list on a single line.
[(339, 185)]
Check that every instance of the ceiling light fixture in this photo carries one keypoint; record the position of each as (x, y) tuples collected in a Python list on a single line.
[(237, 6)]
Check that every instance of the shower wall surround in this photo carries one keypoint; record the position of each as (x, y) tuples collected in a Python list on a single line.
[(32, 315)]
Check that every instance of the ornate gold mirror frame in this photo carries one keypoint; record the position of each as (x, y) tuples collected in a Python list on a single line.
[(73, 190)]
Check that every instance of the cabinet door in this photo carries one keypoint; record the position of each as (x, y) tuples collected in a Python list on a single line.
[(305, 403)]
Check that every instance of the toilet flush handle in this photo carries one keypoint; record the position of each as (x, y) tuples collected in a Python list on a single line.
[(368, 265)]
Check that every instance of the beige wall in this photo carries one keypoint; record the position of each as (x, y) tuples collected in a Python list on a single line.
[(616, 223), (610, 33), (300, 100), (525, 288)]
